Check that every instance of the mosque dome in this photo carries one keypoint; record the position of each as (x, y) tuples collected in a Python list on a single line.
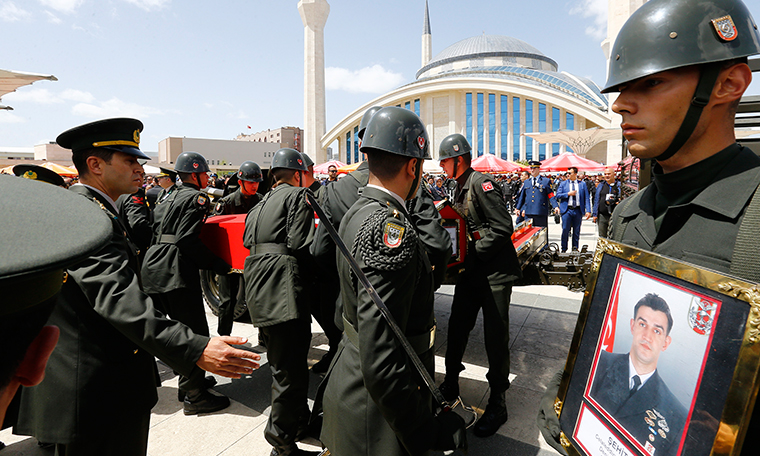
[(487, 51)]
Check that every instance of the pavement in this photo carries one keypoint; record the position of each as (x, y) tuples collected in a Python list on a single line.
[(542, 322)]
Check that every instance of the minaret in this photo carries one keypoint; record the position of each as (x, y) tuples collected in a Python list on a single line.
[(314, 16), (427, 39)]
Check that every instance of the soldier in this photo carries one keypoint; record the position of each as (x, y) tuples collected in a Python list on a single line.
[(681, 69), (536, 197), (374, 400), (490, 268), (309, 181), (30, 265), (278, 231), (241, 201), (136, 217), (110, 331), (171, 274), (167, 182)]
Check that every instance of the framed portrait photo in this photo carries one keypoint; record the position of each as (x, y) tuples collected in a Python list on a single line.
[(664, 359)]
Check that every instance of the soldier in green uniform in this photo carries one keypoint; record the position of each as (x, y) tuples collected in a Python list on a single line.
[(374, 400), (136, 217), (110, 331), (167, 181), (241, 201), (171, 274), (490, 268), (681, 69), (278, 231)]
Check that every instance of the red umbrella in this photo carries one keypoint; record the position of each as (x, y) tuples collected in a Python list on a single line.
[(488, 163), (322, 169), (565, 160)]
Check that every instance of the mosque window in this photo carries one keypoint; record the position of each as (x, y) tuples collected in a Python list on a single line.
[(480, 124), (408, 105), (492, 123), (516, 128), (570, 125), (504, 126), (348, 147), (555, 127), (356, 144), (529, 129), (417, 106), (468, 102), (542, 129)]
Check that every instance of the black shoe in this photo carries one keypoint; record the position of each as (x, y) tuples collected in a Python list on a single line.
[(201, 401), (450, 390), (323, 364), (208, 382), (491, 421)]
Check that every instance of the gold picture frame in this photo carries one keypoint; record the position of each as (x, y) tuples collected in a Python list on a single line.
[(699, 397)]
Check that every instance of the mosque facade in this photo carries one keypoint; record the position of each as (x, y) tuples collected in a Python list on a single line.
[(492, 89)]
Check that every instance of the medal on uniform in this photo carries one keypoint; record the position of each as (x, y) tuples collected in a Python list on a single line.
[(662, 433), (649, 421), (651, 414)]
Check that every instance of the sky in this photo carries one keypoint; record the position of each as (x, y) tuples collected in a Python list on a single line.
[(213, 69)]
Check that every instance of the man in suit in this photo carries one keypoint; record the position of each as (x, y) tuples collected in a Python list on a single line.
[(573, 198), (607, 198), (629, 388), (536, 197)]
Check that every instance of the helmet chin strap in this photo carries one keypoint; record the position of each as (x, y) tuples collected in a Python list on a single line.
[(417, 176), (707, 78)]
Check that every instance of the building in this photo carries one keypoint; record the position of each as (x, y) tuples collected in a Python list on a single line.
[(492, 89), (290, 137), (222, 155)]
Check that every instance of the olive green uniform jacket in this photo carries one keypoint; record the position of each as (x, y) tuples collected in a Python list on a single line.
[(274, 289), (236, 203), (104, 361), (375, 402), (702, 232), (177, 253)]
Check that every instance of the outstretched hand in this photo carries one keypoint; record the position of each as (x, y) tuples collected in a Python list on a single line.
[(220, 358)]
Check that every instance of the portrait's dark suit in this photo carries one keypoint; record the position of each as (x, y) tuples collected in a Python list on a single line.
[(651, 411)]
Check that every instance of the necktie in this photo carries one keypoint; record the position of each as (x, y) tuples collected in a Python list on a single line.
[(636, 384)]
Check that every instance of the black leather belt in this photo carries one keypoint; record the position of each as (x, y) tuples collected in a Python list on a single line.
[(420, 343), (270, 247)]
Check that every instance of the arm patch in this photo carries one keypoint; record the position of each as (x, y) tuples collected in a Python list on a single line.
[(201, 200), (487, 186)]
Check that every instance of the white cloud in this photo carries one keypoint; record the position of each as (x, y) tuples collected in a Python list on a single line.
[(113, 108), (9, 12), (77, 95), (150, 5), (374, 79), (6, 117), (64, 6), (52, 18), (597, 11), (41, 96)]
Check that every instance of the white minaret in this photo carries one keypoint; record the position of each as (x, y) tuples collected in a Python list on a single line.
[(427, 39), (314, 16), (618, 11)]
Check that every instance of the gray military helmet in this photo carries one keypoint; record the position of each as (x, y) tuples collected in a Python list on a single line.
[(249, 172), (307, 160), (397, 131), (667, 34), (453, 146), (288, 159), (366, 118), (191, 162)]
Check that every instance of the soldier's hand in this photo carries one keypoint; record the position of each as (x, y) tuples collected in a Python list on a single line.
[(451, 433), (594, 219), (221, 358)]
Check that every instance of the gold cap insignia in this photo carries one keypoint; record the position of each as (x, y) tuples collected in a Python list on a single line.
[(136, 136), (30, 175)]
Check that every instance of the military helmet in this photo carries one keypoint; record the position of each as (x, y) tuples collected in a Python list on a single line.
[(667, 34), (307, 160), (288, 159), (250, 172), (397, 131), (453, 146), (366, 118), (191, 162)]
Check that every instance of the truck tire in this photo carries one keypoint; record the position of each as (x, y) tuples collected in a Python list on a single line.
[(210, 287)]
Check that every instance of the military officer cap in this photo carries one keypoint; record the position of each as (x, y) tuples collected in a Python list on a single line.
[(288, 159), (166, 172), (119, 134), (365, 120), (36, 172), (32, 259), (534, 164)]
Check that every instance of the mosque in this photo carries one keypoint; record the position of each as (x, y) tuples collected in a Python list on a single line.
[(492, 89)]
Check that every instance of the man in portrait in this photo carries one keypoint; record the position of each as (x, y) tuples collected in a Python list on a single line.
[(629, 388)]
